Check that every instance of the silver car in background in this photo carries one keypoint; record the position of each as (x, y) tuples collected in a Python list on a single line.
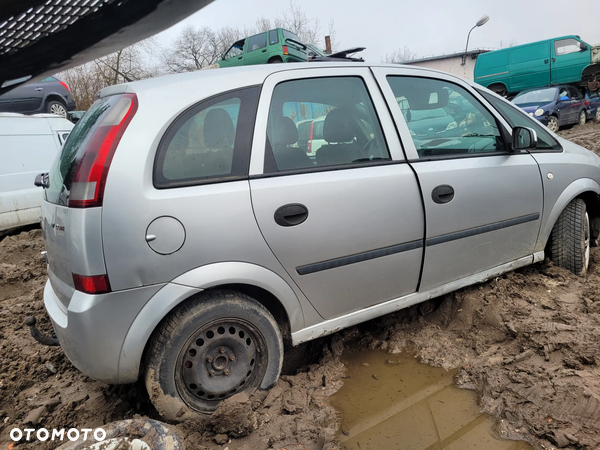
[(190, 240)]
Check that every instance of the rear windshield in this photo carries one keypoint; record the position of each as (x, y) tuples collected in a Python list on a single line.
[(63, 169), (289, 35)]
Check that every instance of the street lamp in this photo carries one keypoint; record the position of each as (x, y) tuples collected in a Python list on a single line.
[(480, 22)]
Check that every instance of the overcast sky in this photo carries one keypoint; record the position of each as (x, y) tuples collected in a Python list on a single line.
[(427, 27)]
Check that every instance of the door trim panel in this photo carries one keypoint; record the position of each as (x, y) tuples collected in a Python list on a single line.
[(359, 257), (482, 229)]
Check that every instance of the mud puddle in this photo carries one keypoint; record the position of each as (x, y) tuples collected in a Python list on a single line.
[(393, 401)]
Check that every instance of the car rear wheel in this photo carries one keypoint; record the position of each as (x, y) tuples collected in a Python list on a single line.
[(570, 238), (275, 61), (553, 124), (207, 350), (582, 117), (55, 107)]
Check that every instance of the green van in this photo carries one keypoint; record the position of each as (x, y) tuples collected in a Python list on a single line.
[(561, 60), (273, 46)]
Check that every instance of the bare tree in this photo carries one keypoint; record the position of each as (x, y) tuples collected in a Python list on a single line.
[(400, 55), (129, 64)]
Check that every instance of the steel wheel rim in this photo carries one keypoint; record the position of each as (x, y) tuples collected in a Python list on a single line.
[(598, 114), (59, 109), (553, 124), (217, 361), (586, 242), (582, 118)]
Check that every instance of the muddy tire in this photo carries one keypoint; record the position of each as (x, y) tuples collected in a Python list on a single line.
[(553, 123), (597, 116), (570, 238), (208, 349), (582, 117)]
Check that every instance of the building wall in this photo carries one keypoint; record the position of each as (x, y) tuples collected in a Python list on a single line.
[(451, 65)]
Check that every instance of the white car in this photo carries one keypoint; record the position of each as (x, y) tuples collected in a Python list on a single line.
[(28, 146)]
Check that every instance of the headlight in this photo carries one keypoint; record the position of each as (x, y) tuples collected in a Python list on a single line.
[(451, 125), (539, 112)]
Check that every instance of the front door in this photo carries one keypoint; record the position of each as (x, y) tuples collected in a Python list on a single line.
[(347, 225), (482, 204), (568, 61)]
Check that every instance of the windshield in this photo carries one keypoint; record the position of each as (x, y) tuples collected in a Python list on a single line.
[(538, 96)]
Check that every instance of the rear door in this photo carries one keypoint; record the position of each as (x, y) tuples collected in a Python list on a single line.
[(256, 50), (482, 204), (347, 226), (568, 61)]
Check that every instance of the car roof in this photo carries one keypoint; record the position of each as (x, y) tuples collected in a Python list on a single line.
[(252, 75)]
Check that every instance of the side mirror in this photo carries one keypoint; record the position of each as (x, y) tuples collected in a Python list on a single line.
[(524, 139), (583, 46), (564, 98)]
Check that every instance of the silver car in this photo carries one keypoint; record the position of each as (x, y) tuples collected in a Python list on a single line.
[(190, 240)]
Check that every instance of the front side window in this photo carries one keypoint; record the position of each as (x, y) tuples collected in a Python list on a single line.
[(516, 118), (257, 42), (209, 141), (566, 46), (322, 122), (444, 119), (235, 50)]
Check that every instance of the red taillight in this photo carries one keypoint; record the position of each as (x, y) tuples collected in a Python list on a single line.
[(65, 85), (97, 284), (87, 188), (285, 50), (587, 103), (309, 144)]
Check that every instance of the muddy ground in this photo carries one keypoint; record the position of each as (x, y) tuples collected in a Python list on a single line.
[(527, 342)]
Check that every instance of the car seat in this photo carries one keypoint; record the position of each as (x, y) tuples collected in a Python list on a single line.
[(283, 134), (216, 155), (339, 130)]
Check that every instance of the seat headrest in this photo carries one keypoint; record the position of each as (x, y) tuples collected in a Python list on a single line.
[(283, 132), (218, 129), (339, 126)]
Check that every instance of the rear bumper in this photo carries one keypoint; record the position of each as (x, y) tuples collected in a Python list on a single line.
[(93, 328)]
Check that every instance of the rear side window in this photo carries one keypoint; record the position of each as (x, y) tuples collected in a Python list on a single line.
[(209, 142), (516, 118), (338, 108), (273, 37)]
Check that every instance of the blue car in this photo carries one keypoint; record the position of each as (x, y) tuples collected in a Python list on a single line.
[(554, 106), (594, 106)]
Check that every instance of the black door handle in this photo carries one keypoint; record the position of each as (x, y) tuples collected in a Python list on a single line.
[(546, 61), (291, 215), (442, 194)]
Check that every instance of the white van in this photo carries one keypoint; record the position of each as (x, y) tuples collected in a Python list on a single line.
[(28, 146)]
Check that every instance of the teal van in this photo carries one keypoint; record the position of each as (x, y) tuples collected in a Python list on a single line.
[(273, 46), (562, 60)]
